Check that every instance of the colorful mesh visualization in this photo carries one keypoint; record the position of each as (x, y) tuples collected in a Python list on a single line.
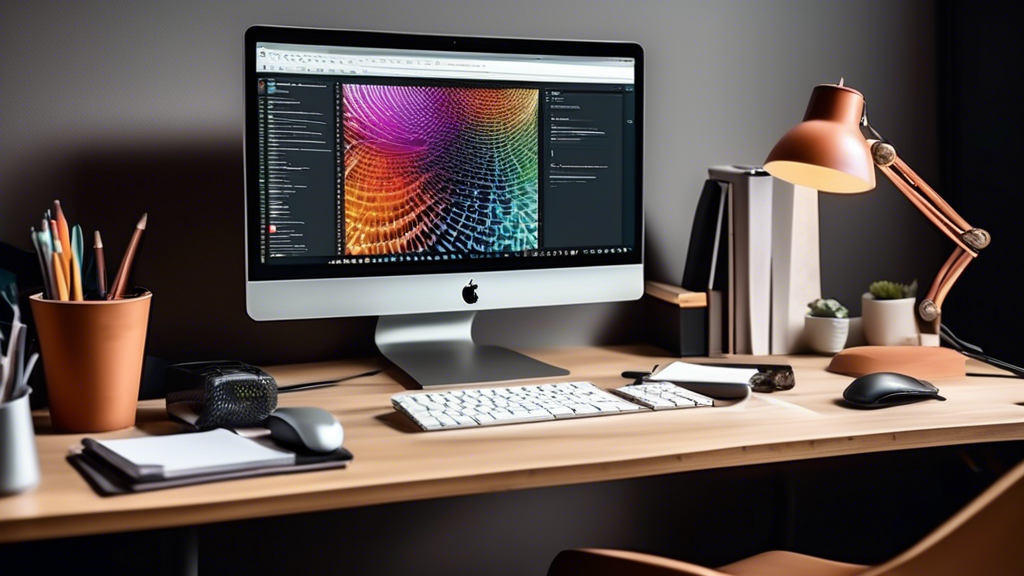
[(440, 169)]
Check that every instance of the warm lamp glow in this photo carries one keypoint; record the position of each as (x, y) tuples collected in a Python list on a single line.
[(817, 177), (826, 151)]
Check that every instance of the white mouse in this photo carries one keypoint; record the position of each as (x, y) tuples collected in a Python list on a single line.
[(314, 429)]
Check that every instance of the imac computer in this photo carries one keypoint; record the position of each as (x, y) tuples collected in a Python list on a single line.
[(422, 178)]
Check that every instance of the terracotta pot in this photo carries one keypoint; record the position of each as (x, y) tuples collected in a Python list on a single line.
[(92, 355), (889, 322), (826, 335)]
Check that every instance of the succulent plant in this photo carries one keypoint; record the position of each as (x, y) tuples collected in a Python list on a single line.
[(822, 308), (885, 290)]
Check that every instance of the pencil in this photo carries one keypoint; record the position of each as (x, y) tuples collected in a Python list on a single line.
[(65, 237), (58, 248), (76, 278), (58, 272), (78, 245), (121, 280), (101, 265)]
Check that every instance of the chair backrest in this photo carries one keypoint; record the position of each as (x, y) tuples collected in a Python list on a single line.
[(986, 537)]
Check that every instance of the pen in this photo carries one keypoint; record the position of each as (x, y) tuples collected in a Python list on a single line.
[(101, 265), (43, 264), (121, 280), (46, 240)]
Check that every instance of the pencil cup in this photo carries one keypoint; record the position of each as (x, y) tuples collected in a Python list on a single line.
[(92, 355), (19, 463)]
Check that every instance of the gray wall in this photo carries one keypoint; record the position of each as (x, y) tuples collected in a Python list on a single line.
[(119, 108)]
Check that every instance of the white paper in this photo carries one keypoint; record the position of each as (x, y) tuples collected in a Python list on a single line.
[(685, 372), (200, 452)]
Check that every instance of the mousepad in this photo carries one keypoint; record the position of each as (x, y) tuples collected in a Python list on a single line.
[(106, 480)]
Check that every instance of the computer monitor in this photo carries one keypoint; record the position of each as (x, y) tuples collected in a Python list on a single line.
[(422, 178)]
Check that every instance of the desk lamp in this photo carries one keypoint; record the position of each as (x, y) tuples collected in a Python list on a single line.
[(828, 152)]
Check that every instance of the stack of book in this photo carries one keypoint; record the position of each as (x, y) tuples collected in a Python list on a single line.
[(754, 251)]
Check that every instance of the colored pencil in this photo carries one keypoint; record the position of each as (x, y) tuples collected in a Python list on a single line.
[(58, 272), (101, 265), (121, 280), (76, 278), (78, 245), (58, 248), (65, 237)]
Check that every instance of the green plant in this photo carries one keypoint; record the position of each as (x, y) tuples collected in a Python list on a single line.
[(822, 308), (885, 290)]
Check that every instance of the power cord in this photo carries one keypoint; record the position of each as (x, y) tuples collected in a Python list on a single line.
[(322, 383), (975, 352)]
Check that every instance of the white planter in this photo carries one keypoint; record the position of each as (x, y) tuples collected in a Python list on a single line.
[(889, 322), (826, 335)]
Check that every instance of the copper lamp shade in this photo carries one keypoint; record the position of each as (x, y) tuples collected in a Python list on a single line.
[(826, 151)]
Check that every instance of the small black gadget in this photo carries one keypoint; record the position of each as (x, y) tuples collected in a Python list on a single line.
[(220, 394)]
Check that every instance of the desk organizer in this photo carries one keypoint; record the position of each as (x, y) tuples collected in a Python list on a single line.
[(92, 354)]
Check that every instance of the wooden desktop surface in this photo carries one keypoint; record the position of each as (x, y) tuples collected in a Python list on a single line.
[(394, 462)]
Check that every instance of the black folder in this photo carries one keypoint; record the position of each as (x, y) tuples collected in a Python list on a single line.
[(107, 480)]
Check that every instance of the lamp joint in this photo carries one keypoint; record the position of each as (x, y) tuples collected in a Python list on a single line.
[(976, 238), (928, 310), (883, 153)]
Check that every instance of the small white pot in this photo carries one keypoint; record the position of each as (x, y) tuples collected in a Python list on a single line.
[(889, 322), (826, 335)]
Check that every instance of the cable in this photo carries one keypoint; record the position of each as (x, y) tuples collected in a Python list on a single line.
[(956, 342), (972, 351), (322, 383)]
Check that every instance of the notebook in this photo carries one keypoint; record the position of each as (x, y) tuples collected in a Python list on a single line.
[(183, 455), (685, 372)]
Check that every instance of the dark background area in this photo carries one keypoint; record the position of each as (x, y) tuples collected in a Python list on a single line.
[(981, 127), (115, 136)]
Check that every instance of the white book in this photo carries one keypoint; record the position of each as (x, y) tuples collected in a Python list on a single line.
[(751, 201), (796, 263), (192, 454)]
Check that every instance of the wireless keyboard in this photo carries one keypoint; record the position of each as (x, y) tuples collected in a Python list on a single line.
[(533, 403)]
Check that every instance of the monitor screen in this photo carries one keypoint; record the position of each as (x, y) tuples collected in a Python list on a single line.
[(376, 161)]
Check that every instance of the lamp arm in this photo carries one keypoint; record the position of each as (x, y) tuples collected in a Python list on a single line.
[(969, 241)]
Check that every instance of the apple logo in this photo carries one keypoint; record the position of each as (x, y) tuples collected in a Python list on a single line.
[(469, 293)]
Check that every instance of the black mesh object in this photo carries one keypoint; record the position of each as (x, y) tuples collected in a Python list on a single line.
[(223, 394)]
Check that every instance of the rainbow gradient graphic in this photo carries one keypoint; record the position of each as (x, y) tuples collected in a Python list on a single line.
[(440, 169)]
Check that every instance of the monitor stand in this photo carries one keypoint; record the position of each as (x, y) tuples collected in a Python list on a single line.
[(438, 349)]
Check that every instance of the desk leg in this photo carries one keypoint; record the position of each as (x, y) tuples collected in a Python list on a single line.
[(179, 552)]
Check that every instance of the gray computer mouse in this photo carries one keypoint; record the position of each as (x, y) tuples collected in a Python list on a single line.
[(888, 389), (314, 429)]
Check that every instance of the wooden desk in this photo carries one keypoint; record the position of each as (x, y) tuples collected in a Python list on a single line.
[(396, 463)]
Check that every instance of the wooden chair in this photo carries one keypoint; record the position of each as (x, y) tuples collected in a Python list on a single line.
[(983, 538)]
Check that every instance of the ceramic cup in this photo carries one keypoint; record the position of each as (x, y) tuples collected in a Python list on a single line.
[(826, 335), (19, 462), (889, 322), (92, 353)]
